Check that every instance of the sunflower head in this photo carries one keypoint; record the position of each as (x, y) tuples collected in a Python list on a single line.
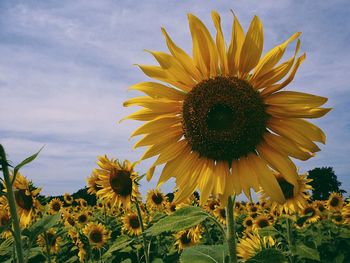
[(250, 244), (52, 239), (155, 199), (220, 119), (335, 202), (188, 238), (220, 213), (82, 218), (97, 234), (55, 205), (261, 221), (311, 213), (92, 183), (117, 181), (211, 205), (248, 222), (132, 224)]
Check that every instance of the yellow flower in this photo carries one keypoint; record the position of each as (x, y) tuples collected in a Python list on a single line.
[(92, 183), (69, 219), (117, 181), (311, 213), (52, 239), (335, 202), (68, 198), (346, 213), (188, 238), (251, 244), (296, 197), (211, 204), (97, 234), (220, 213), (82, 218), (220, 118), (155, 199), (5, 222), (248, 223), (132, 224), (55, 205), (261, 221)]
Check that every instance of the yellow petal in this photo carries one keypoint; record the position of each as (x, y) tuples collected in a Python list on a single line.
[(157, 90), (161, 123), (235, 181), (153, 138), (252, 47), (277, 87), (158, 148), (154, 104), (147, 114), (266, 179), (206, 181), (204, 49), (150, 173), (221, 173), (296, 111), (220, 43), (170, 152), (183, 58), (234, 51), (292, 97), (278, 162), (243, 177), (272, 57)]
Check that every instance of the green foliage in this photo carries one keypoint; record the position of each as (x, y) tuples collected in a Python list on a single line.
[(268, 255), (204, 254), (181, 219), (24, 162), (41, 226)]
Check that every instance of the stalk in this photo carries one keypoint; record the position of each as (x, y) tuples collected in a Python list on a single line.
[(231, 229), (12, 204), (145, 249), (47, 246), (289, 238)]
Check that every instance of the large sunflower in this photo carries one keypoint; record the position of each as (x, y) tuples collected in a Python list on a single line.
[(220, 120), (116, 181)]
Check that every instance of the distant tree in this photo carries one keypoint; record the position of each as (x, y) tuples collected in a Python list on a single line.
[(324, 182)]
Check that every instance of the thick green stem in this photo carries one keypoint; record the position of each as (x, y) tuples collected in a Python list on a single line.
[(289, 238), (12, 204), (145, 248), (47, 245), (231, 229)]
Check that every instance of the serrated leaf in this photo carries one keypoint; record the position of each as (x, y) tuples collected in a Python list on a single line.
[(41, 226), (181, 219), (204, 254), (120, 243), (306, 252), (268, 255)]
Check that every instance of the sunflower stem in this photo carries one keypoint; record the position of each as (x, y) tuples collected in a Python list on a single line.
[(12, 204), (145, 248), (47, 248), (289, 238), (231, 229)]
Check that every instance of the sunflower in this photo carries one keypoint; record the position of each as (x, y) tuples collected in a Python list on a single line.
[(68, 198), (250, 244), (220, 119), (25, 196), (211, 204), (335, 202), (83, 203), (220, 213), (68, 219), (338, 218), (346, 213), (188, 238), (52, 239), (92, 186), (261, 221), (82, 218), (55, 206), (117, 181), (295, 197), (248, 223), (320, 206), (311, 213), (97, 234), (155, 199), (132, 224), (5, 222)]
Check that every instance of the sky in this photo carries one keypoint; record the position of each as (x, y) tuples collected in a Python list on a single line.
[(65, 67)]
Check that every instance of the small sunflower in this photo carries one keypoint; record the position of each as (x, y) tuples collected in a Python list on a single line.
[(261, 221), (346, 213), (68, 219), (211, 205), (248, 223), (92, 187), (55, 206), (250, 244), (338, 218), (296, 197), (68, 199), (155, 199), (188, 238), (97, 234), (320, 206), (52, 239), (117, 181), (335, 202), (132, 224), (311, 213), (220, 118), (5, 222), (82, 218), (220, 213)]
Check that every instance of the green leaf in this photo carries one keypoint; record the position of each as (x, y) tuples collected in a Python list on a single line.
[(24, 162), (6, 247), (204, 254), (344, 233), (306, 252), (268, 255), (268, 231), (181, 219), (339, 259), (128, 260), (157, 260), (41, 226), (120, 243)]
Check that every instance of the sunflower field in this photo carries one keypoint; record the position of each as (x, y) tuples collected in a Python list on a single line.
[(220, 123)]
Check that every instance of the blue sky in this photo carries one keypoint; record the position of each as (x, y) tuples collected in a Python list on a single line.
[(66, 65)]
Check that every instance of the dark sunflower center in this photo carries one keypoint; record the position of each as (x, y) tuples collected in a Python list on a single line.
[(334, 202), (321, 207), (224, 118), (338, 218), (253, 209), (95, 236), (70, 221), (172, 207), (212, 205), (134, 222), (82, 218), (263, 223), (157, 198), (121, 182), (223, 213), (286, 187), (56, 206), (310, 210), (51, 238), (24, 201), (249, 222), (184, 238)]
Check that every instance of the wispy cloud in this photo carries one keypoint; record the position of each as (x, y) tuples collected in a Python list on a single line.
[(65, 67)]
